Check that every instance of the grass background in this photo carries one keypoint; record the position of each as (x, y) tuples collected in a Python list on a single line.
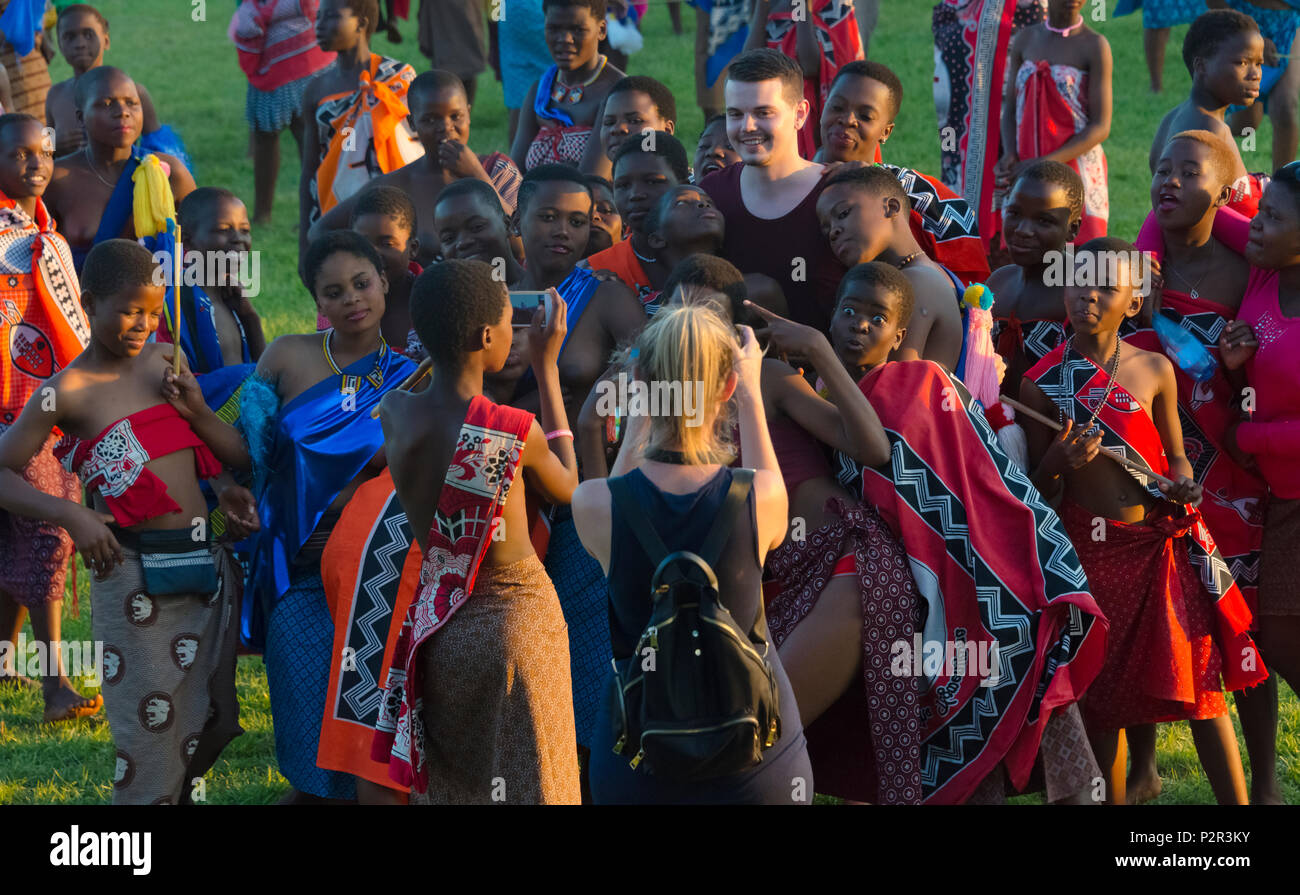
[(190, 68)]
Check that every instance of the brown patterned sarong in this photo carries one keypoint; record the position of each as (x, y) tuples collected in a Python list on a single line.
[(889, 703), (34, 553), (168, 679), (498, 714)]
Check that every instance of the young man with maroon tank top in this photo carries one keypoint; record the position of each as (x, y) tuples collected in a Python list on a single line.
[(770, 200)]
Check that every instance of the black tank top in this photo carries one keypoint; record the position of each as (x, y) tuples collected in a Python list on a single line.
[(683, 522)]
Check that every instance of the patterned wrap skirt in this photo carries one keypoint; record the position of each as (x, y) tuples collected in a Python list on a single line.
[(33, 553), (498, 711)]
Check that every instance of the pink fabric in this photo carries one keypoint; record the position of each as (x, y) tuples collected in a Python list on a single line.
[(1273, 433)]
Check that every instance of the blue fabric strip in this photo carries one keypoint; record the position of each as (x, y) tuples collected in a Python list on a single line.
[(542, 101)]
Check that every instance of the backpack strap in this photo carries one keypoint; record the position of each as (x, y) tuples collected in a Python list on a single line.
[(742, 480), (634, 516)]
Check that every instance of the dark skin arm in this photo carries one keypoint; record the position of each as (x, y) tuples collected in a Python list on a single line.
[(551, 467), (151, 122), (183, 393), (847, 422), (527, 129), (19, 443), (310, 162), (1053, 455)]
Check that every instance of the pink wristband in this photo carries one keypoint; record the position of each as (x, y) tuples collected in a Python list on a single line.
[(559, 433)]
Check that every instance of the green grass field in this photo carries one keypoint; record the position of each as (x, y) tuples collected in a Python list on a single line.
[(190, 68)]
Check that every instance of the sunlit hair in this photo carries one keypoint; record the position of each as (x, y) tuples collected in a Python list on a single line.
[(1225, 164), (690, 343)]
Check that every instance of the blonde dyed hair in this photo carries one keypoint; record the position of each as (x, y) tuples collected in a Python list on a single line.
[(694, 345)]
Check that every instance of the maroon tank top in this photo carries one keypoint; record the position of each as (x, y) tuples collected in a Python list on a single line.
[(760, 245)]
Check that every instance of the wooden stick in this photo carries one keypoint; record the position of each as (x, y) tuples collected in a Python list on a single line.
[(409, 382), (176, 307), (1057, 427)]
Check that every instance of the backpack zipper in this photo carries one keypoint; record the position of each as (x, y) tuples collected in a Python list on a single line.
[(640, 755)]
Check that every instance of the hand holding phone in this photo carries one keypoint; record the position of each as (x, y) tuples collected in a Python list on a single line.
[(524, 304)]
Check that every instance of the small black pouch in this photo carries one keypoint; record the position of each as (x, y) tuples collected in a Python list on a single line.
[(173, 562)]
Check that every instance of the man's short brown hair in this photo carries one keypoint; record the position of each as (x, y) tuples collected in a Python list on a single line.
[(766, 64)]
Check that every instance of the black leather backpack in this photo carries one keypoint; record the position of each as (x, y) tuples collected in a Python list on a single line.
[(696, 697)]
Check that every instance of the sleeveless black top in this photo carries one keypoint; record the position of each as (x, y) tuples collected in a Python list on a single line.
[(683, 521)]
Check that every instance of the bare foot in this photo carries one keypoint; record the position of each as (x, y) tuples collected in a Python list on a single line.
[(64, 703), (1142, 789), (261, 220)]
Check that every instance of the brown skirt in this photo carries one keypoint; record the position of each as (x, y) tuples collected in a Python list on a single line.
[(1279, 586), (498, 705)]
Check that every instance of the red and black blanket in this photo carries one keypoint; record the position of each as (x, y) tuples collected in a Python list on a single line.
[(994, 566)]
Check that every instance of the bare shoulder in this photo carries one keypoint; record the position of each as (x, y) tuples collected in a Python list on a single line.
[(287, 350), (1098, 45), (934, 291), (1151, 363), (591, 505)]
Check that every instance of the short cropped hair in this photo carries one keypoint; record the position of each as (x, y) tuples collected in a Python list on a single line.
[(659, 94), (534, 179), (470, 186), (879, 275), (332, 243), (365, 9), (720, 118), (116, 265), (1112, 245), (712, 273), (876, 180), (1225, 162), (595, 7), (90, 82), (876, 71), (766, 64), (388, 201), (595, 180), (436, 79), (15, 118), (200, 205), (78, 9), (664, 145), (1211, 30), (1057, 174), (450, 302)]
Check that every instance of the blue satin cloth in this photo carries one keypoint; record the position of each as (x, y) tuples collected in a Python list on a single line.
[(542, 103), (199, 332), (318, 445)]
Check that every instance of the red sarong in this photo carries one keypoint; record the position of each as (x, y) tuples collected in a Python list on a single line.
[(473, 496), (995, 566), (1162, 663), (1048, 121), (1078, 384), (838, 42)]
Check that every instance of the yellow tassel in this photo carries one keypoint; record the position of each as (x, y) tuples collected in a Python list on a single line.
[(153, 200)]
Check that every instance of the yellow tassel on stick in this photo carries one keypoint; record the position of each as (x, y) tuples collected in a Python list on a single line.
[(152, 199)]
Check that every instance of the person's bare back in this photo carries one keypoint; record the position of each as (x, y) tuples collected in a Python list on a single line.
[(1188, 116)]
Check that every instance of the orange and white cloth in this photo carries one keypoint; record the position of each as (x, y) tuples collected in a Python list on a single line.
[(42, 325), (363, 133)]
